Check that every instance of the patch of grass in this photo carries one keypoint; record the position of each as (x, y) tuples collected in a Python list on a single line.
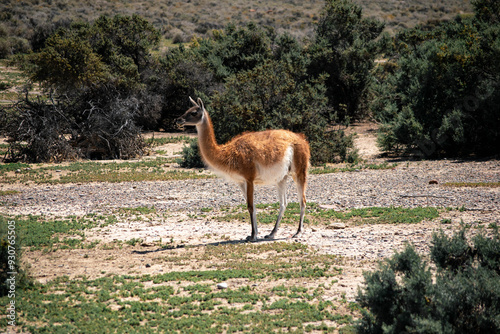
[(4, 148), (38, 233), (268, 213), (188, 301), (472, 184), (276, 260), (141, 210), (328, 169), (11, 167), (133, 241), (166, 140), (392, 215), (90, 171), (8, 192)]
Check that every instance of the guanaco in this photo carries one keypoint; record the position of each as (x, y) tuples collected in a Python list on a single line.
[(265, 157)]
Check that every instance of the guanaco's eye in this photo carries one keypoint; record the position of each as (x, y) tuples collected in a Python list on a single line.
[(194, 113)]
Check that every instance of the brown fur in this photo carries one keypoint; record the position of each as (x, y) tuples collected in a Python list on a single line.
[(241, 158)]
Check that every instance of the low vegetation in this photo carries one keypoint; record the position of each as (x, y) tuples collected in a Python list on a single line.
[(460, 296), (82, 172), (439, 93), (326, 169), (317, 215), (181, 300), (271, 286), (146, 169)]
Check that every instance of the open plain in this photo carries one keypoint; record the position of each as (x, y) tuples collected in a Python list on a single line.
[(187, 235)]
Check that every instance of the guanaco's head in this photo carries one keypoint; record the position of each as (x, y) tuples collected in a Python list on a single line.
[(194, 115)]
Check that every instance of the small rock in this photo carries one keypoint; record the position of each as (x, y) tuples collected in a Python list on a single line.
[(327, 207), (336, 226), (148, 265), (18, 171), (433, 182), (222, 286)]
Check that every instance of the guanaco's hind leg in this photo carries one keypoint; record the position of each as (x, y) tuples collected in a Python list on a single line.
[(302, 202), (283, 203), (300, 180)]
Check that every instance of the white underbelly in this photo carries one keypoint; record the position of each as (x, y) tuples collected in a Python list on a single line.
[(275, 173), (265, 175)]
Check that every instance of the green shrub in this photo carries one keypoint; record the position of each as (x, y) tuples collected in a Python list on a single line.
[(181, 73), (462, 296), (191, 156), (345, 48), (441, 97), (271, 97), (267, 86), (93, 74), (235, 49)]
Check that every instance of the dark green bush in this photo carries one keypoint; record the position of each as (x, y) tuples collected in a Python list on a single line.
[(345, 48), (191, 156), (235, 49), (462, 296), (442, 96), (270, 97), (181, 73), (271, 81)]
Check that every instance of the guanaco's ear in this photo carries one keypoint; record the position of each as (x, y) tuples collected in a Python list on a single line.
[(200, 104), (192, 101)]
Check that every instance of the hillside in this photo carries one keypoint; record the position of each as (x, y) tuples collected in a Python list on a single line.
[(181, 20)]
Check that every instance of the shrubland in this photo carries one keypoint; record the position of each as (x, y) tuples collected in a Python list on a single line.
[(459, 296), (438, 95), (102, 85), (433, 87), (23, 23)]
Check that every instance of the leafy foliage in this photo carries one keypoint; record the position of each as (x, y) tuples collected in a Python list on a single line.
[(107, 85), (191, 157), (441, 95), (270, 97), (271, 81), (463, 298), (92, 76), (345, 48)]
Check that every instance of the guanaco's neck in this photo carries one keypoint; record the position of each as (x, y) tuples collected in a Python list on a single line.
[(206, 140)]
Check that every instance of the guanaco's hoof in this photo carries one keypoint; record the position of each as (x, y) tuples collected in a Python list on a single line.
[(296, 235), (251, 239), (269, 236)]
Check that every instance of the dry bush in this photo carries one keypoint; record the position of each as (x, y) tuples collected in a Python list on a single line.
[(37, 131), (44, 130)]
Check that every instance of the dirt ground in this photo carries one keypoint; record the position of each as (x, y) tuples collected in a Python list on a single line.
[(184, 234)]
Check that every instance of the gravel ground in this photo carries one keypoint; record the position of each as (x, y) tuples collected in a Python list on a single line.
[(407, 185)]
